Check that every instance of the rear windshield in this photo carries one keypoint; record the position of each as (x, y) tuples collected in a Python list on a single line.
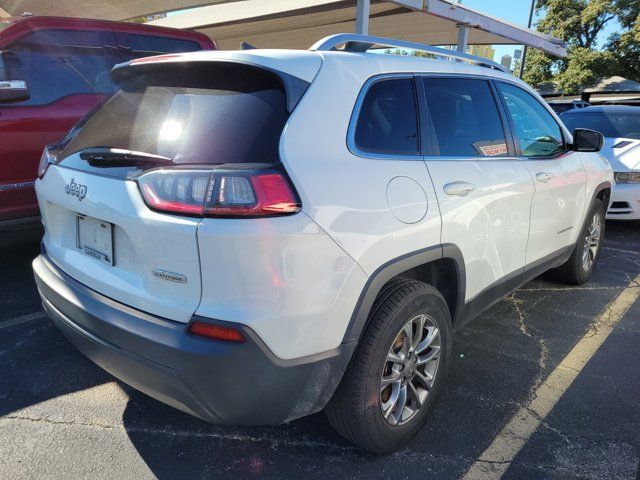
[(610, 124), (207, 113)]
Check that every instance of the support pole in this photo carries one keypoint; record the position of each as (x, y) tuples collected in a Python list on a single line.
[(524, 48), (362, 16), (463, 35), (463, 38)]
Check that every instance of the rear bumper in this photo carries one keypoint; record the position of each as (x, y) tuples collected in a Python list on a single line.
[(220, 382)]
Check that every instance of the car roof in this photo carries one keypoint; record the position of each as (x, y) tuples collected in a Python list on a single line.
[(604, 109), (565, 102), (365, 62)]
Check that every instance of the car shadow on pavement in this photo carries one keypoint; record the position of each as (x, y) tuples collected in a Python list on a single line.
[(36, 361), (172, 442), (39, 364)]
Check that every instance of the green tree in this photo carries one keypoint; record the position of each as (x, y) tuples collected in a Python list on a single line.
[(139, 19), (584, 67), (579, 23), (625, 45), (537, 67)]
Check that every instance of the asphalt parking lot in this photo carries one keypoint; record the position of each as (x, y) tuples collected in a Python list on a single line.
[(63, 417)]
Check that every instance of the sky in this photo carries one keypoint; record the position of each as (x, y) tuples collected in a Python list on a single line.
[(516, 11)]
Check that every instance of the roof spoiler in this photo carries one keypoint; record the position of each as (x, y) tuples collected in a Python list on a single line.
[(294, 87)]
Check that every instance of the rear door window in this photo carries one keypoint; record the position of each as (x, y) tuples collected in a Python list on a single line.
[(200, 113), (464, 118), (387, 121)]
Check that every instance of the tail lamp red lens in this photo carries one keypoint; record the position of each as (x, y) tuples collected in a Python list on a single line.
[(218, 192), (46, 159), (216, 332)]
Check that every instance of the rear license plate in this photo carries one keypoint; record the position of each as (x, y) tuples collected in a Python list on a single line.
[(95, 238)]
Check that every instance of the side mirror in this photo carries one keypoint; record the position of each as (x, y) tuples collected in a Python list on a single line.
[(585, 140), (13, 91)]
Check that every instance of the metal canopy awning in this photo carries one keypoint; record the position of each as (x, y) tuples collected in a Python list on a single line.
[(299, 23), (101, 9)]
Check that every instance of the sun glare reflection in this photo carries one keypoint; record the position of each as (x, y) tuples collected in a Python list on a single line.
[(171, 130)]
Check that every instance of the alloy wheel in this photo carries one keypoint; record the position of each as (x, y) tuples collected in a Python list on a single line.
[(410, 369), (592, 242)]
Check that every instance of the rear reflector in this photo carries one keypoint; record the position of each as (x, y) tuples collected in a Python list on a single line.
[(216, 332), (218, 192)]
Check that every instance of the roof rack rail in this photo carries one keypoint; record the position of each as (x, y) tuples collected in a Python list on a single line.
[(354, 42)]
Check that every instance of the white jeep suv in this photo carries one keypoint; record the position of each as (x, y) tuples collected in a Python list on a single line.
[(254, 236)]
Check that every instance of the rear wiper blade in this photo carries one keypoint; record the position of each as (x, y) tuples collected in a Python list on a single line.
[(113, 157)]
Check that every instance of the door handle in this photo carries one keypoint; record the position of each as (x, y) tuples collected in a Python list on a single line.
[(544, 177), (458, 188)]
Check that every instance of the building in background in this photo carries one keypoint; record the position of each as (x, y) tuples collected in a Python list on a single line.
[(505, 61), (484, 51)]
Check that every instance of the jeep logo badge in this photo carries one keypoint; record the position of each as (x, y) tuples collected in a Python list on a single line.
[(76, 190)]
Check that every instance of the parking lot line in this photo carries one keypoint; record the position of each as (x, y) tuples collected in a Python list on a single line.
[(23, 319), (495, 460)]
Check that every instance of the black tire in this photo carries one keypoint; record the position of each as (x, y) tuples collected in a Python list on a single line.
[(355, 409), (574, 271)]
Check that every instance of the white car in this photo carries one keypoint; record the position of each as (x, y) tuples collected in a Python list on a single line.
[(620, 126), (254, 236), (561, 106)]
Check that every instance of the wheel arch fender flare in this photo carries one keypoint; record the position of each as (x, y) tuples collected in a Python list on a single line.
[(596, 193), (396, 267), (600, 188)]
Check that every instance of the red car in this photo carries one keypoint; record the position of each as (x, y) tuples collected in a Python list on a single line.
[(53, 71)]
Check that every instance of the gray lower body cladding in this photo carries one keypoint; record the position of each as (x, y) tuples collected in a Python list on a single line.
[(220, 382)]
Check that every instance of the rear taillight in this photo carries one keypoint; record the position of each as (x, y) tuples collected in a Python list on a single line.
[(218, 192), (46, 159)]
